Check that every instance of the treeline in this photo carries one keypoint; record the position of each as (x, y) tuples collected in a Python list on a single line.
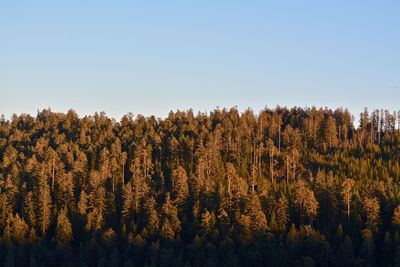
[(284, 187)]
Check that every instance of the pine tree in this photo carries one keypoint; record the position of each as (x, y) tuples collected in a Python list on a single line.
[(152, 221), (28, 209), (305, 200), (63, 233), (96, 209), (329, 131), (16, 230), (257, 217), (43, 202), (83, 203), (170, 223), (371, 209), (135, 190), (208, 221), (180, 189), (347, 187), (281, 214)]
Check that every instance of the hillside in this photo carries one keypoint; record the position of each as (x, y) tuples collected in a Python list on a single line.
[(298, 187)]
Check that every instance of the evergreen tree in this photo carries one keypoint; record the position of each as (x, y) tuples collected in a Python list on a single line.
[(63, 233), (180, 189), (170, 223), (43, 202), (305, 200), (347, 187)]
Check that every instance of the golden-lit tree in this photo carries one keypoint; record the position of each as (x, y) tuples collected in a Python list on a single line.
[(347, 193)]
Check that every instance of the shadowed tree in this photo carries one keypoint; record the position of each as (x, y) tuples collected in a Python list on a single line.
[(43, 201), (305, 201), (180, 188), (396, 216), (152, 221), (170, 223), (371, 209), (63, 233)]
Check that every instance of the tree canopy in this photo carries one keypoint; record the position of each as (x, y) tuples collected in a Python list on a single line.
[(299, 186)]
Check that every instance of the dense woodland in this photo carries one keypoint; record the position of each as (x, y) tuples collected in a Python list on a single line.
[(284, 187)]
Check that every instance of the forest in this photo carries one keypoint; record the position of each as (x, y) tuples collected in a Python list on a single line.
[(282, 187)]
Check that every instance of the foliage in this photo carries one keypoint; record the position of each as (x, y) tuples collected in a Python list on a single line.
[(282, 187)]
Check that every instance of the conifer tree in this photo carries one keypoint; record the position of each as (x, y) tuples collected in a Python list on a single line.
[(63, 232), (305, 200), (152, 221), (170, 223), (180, 189), (371, 209), (347, 187), (43, 202)]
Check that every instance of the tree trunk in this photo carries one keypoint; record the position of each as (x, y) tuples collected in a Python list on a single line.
[(271, 166), (287, 171), (279, 137), (53, 175), (348, 208), (113, 183)]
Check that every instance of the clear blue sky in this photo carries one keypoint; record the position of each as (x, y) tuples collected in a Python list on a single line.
[(151, 57)]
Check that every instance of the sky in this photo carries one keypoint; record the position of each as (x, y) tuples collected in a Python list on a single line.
[(149, 57)]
